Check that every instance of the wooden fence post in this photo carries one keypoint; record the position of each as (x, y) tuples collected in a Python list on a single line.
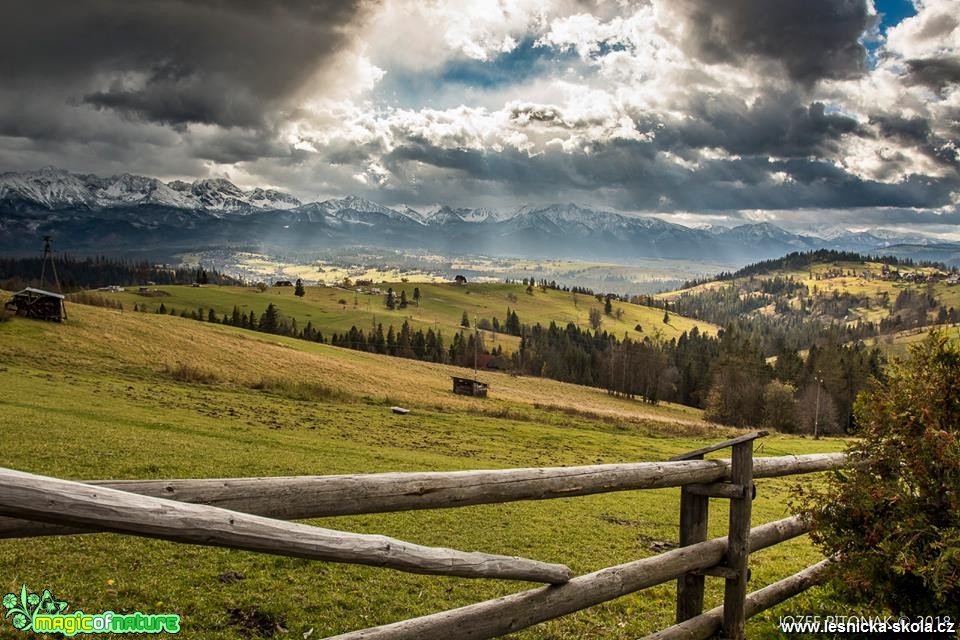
[(738, 544), (694, 510)]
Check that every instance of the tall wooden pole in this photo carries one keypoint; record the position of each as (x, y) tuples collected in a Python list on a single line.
[(738, 545)]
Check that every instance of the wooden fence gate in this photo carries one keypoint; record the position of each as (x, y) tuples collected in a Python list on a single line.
[(254, 514)]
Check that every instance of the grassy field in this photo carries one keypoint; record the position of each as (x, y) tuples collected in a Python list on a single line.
[(125, 395), (441, 306)]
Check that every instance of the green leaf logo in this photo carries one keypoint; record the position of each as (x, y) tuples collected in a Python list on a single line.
[(28, 605)]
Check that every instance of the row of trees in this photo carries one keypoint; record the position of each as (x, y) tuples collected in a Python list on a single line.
[(794, 394), (800, 260), (76, 274)]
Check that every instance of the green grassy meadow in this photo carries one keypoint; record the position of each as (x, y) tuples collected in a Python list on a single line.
[(441, 307), (113, 394)]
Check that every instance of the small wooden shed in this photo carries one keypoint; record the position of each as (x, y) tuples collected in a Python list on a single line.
[(38, 304), (469, 387)]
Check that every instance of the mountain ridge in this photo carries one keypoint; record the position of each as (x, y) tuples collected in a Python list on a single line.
[(88, 211)]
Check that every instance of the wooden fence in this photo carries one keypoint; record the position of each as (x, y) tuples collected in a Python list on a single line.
[(253, 514)]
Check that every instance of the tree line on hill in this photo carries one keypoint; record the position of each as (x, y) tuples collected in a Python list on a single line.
[(76, 274), (799, 260)]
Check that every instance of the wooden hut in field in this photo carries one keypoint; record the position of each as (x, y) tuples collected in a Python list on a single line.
[(469, 387), (38, 304)]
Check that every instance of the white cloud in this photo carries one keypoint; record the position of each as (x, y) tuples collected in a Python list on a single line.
[(934, 31)]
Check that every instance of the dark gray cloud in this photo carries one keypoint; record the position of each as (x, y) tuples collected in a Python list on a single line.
[(632, 175), (776, 123), (812, 39), (915, 129), (936, 73), (174, 62), (917, 132)]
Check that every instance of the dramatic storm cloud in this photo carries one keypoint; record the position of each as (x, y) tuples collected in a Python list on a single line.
[(802, 111)]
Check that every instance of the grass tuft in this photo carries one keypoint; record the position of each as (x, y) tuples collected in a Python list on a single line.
[(188, 373), (301, 390), (95, 300)]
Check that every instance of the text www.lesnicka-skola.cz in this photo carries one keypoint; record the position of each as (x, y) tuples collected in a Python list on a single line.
[(866, 624)]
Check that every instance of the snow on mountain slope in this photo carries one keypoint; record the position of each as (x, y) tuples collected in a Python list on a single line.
[(362, 211), (49, 187), (132, 189), (53, 188), (271, 199)]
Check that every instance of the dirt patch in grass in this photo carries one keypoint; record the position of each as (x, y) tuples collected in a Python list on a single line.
[(250, 622)]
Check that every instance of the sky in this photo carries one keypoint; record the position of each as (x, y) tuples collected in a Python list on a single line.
[(807, 113)]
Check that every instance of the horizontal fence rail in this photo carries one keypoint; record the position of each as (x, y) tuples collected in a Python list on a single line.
[(706, 625), (299, 497), (65, 502), (517, 611)]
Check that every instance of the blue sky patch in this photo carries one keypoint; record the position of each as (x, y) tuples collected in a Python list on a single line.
[(524, 63), (892, 13)]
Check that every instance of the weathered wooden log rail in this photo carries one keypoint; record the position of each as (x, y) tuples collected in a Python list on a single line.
[(301, 497), (252, 514)]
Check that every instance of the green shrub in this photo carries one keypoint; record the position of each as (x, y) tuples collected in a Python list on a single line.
[(894, 517)]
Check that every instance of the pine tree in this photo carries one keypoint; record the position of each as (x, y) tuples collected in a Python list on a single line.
[(378, 342), (465, 320), (391, 341), (270, 320), (403, 298), (391, 299), (299, 290), (416, 296), (608, 306)]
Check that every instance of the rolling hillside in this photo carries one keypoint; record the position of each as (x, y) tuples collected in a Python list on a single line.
[(130, 395), (441, 306), (894, 297)]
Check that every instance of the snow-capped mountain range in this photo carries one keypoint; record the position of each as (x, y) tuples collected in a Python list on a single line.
[(57, 189), (86, 210)]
